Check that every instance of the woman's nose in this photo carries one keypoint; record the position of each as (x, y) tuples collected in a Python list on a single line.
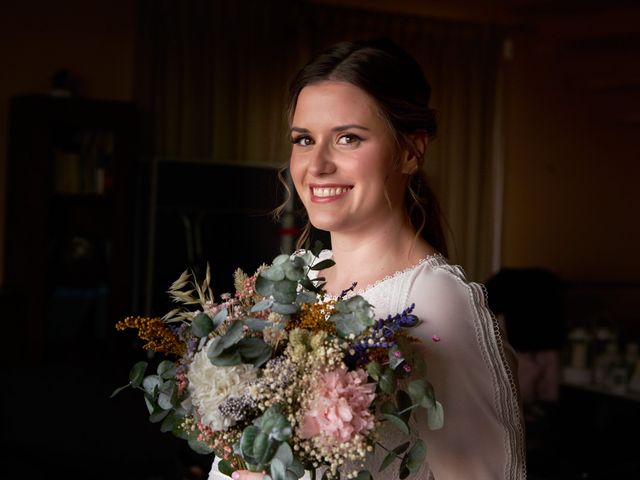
[(322, 161)]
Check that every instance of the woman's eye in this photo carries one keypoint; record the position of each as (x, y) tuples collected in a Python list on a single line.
[(348, 139), (302, 140)]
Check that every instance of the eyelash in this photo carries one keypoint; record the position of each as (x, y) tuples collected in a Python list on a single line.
[(354, 139), (297, 140)]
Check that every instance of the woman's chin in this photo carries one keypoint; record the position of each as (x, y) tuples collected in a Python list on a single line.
[(326, 223)]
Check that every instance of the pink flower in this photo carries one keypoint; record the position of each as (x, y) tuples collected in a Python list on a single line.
[(340, 406)]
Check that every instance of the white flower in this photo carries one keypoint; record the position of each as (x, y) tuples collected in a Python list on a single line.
[(210, 385)]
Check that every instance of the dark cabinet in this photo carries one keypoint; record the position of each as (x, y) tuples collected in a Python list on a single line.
[(69, 220)]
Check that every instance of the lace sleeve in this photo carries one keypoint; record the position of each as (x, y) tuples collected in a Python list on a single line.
[(472, 372)]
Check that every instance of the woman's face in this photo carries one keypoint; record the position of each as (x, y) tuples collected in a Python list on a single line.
[(342, 159)]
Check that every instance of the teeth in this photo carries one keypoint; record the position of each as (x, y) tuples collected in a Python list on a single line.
[(330, 192)]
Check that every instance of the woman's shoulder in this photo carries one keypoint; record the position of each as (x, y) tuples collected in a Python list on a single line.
[(436, 271), (442, 289)]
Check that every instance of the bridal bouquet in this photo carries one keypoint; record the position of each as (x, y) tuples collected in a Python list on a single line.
[(281, 377)]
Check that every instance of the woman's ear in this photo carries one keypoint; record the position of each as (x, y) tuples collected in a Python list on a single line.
[(413, 158)]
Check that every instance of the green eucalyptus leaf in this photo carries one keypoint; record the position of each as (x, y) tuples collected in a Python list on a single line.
[(404, 472), (225, 467), (306, 297), (256, 324), (280, 259), (264, 286), (388, 460), (262, 358), (262, 305), (136, 375), (404, 404), (119, 389), (223, 342), (285, 308), (261, 448), (308, 285), (387, 381), (216, 347), (416, 455), (148, 401), (364, 475), (296, 468), (374, 369), (274, 423), (353, 316), (323, 264), (233, 334), (151, 384), (169, 423), (252, 348), (202, 325), (219, 317), (247, 440), (421, 392), (388, 407), (347, 324), (396, 357), (284, 454), (278, 470), (435, 416), (293, 272), (275, 273), (180, 432), (199, 447), (166, 369), (158, 415), (318, 246), (397, 422), (227, 358), (285, 291), (164, 401), (400, 449), (393, 454)]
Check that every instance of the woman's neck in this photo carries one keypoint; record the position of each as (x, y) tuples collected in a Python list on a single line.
[(366, 259)]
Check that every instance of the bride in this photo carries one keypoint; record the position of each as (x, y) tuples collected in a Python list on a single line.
[(360, 125)]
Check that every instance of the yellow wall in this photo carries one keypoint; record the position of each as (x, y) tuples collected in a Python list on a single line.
[(94, 40), (572, 167)]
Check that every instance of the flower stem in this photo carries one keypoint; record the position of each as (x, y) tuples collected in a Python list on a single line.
[(407, 409)]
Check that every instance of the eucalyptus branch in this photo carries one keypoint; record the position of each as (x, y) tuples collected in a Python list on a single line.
[(408, 409)]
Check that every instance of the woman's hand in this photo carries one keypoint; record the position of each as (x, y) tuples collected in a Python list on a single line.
[(246, 475)]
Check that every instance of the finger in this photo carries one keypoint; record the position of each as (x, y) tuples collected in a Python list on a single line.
[(246, 475)]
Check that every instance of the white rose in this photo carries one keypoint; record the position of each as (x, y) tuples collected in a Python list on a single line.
[(210, 385)]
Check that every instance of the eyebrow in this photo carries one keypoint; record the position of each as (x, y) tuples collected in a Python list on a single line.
[(339, 128)]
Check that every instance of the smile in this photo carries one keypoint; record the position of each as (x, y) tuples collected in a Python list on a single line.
[(325, 192)]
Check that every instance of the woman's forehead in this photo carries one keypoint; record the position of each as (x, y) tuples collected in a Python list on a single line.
[(337, 100)]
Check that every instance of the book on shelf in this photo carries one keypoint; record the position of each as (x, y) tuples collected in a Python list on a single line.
[(84, 165)]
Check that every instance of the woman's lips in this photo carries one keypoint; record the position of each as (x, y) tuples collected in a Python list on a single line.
[(328, 193)]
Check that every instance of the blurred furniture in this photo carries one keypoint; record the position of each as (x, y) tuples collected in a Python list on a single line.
[(194, 213), (69, 217), (529, 302)]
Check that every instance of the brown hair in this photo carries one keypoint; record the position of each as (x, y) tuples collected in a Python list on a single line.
[(396, 82)]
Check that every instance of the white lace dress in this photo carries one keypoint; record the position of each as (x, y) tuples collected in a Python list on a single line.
[(471, 368)]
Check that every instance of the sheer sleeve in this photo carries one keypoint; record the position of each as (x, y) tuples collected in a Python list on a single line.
[(473, 373)]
